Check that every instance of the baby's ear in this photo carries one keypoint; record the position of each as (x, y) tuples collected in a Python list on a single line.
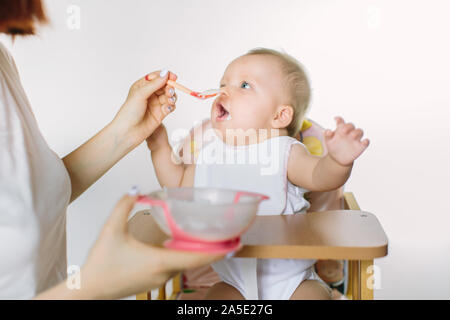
[(283, 117)]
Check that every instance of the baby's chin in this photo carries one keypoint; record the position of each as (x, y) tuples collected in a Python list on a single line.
[(221, 127), (233, 134)]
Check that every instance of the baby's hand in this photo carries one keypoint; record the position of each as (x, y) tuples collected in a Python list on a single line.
[(344, 144)]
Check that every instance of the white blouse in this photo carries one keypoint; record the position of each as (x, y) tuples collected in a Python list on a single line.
[(34, 194)]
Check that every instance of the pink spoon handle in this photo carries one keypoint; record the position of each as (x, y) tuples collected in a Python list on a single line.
[(179, 86), (199, 95)]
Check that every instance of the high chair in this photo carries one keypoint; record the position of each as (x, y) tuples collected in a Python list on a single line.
[(334, 228)]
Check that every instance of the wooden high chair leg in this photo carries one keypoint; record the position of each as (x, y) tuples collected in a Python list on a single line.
[(360, 281), (366, 280), (148, 295), (359, 284), (144, 296), (355, 279), (176, 286), (162, 293)]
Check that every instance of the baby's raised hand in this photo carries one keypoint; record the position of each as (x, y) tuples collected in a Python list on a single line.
[(344, 144)]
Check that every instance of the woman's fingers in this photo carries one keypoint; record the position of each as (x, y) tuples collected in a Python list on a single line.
[(151, 76), (161, 73), (169, 91), (168, 109), (179, 260), (164, 99), (153, 82), (173, 99), (173, 77)]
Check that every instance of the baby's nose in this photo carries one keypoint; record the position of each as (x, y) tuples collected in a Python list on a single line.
[(223, 91)]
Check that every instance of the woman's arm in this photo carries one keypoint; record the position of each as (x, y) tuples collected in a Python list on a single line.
[(120, 266), (94, 158), (142, 112), (332, 171)]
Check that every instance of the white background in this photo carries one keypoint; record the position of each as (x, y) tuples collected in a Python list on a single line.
[(380, 64)]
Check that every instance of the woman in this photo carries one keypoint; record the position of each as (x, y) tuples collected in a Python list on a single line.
[(36, 188)]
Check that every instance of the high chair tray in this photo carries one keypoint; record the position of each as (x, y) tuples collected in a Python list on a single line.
[(337, 234)]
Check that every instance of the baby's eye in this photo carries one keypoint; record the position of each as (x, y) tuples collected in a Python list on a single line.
[(245, 85)]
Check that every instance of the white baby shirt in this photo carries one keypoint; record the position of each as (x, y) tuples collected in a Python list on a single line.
[(260, 168)]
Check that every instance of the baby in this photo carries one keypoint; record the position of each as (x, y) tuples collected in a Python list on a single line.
[(264, 98)]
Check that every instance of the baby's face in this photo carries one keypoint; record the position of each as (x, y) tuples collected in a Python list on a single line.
[(252, 89)]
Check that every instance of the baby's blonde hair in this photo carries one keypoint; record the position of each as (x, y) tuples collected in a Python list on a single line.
[(297, 84)]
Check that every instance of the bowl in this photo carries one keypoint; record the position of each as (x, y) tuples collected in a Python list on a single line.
[(203, 219)]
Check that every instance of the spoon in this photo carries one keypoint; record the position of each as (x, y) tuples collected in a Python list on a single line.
[(200, 95)]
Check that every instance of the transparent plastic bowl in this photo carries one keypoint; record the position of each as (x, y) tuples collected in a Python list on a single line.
[(207, 218)]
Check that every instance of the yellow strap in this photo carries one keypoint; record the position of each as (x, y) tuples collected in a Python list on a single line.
[(306, 125)]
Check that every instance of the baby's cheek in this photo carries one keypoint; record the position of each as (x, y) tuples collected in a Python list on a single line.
[(251, 116), (243, 120)]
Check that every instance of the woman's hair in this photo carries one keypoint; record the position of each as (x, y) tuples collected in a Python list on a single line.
[(19, 17), (297, 84)]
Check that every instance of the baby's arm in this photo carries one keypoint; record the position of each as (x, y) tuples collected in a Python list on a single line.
[(168, 172), (332, 171)]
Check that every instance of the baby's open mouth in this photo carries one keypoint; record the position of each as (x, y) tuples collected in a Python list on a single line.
[(222, 113)]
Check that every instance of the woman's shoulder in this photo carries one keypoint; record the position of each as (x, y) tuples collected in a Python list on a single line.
[(7, 63), (5, 54), (3, 50)]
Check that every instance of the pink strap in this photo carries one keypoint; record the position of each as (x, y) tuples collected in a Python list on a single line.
[(246, 193), (179, 234), (230, 213)]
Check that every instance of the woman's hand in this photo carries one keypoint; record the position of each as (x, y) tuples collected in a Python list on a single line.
[(119, 265), (149, 101), (344, 144)]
